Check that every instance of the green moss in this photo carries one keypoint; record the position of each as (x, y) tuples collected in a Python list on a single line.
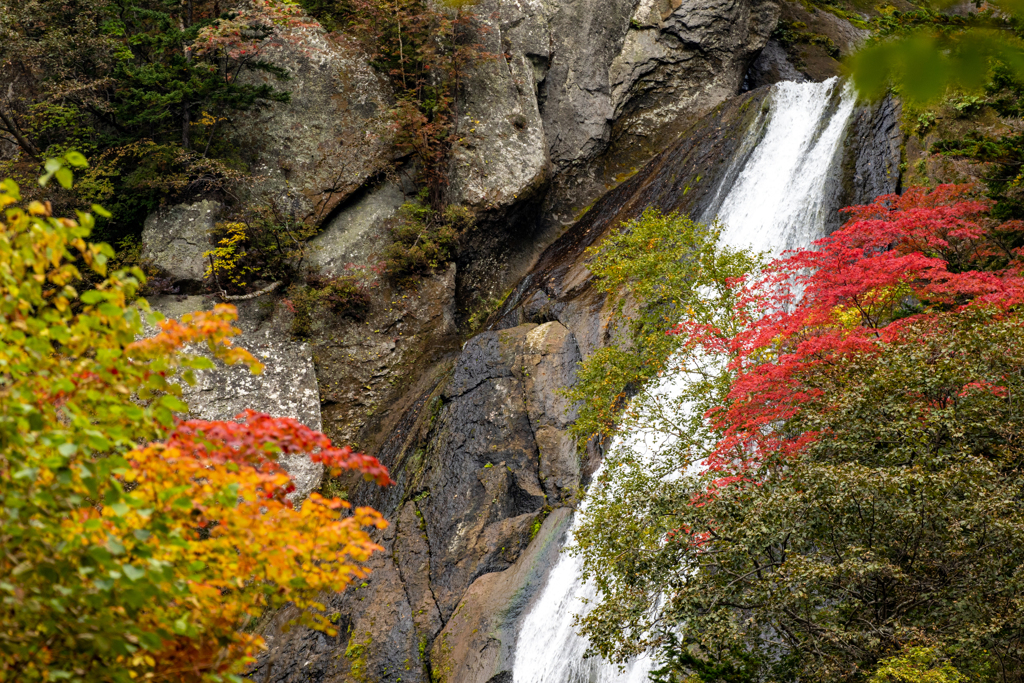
[(356, 653), (537, 524)]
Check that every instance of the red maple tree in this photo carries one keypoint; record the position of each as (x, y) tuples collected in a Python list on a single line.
[(897, 261)]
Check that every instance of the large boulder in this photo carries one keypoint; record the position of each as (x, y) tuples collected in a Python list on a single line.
[(310, 154), (501, 152), (479, 461), (563, 80), (358, 231), (499, 430), (176, 239)]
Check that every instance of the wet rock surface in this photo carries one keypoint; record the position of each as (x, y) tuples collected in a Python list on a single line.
[(772, 65), (484, 471), (478, 642), (480, 461), (573, 98), (871, 155)]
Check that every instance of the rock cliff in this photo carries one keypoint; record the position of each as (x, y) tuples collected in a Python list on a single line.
[(582, 115), (486, 476)]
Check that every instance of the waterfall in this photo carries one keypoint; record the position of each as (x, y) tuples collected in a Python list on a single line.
[(776, 201)]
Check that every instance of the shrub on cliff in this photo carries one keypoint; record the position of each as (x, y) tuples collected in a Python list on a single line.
[(137, 545), (856, 509), (423, 240)]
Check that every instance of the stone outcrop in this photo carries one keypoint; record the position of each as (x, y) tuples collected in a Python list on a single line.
[(477, 644), (357, 231), (497, 434), (800, 52), (287, 387), (310, 154), (471, 503), (175, 239), (572, 99), (871, 156), (564, 80), (772, 66)]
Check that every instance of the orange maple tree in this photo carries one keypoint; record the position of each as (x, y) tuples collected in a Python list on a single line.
[(135, 545)]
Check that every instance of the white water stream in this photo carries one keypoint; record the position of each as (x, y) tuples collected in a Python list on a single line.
[(777, 202)]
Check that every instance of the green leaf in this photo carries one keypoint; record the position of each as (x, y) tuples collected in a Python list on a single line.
[(76, 159), (173, 403), (133, 573), (65, 177), (93, 297), (120, 509), (115, 546)]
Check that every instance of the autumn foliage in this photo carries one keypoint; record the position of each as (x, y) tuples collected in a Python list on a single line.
[(898, 261), (824, 482), (137, 545)]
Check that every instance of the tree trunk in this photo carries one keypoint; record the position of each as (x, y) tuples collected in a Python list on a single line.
[(186, 121), (11, 125)]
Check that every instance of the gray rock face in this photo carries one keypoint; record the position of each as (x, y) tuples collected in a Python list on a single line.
[(356, 231), (772, 66), (682, 178), (874, 142), (502, 153), (176, 238), (485, 464), (566, 78), (310, 154), (468, 506), (685, 56), (287, 386)]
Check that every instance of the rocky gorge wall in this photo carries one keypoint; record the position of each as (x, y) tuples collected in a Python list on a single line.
[(486, 477), (588, 113)]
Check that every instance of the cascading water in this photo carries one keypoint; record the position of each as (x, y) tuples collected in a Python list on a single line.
[(776, 201)]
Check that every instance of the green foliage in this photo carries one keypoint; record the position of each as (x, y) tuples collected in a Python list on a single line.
[(344, 296), (264, 245), (925, 53), (917, 665), (665, 266), (423, 239), (795, 32), (891, 542), (1004, 159)]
